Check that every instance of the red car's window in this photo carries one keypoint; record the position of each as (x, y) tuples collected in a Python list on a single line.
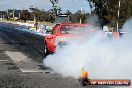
[(73, 29)]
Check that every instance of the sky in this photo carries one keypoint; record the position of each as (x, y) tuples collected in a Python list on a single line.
[(72, 5)]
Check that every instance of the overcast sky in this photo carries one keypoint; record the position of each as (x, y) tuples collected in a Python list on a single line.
[(72, 5)]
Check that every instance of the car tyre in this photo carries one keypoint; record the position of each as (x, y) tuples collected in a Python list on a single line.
[(46, 51)]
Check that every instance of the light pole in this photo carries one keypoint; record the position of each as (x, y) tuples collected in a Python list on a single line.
[(35, 9), (13, 14), (19, 14), (90, 5), (55, 8), (3, 16), (80, 16), (7, 14), (117, 26), (80, 20)]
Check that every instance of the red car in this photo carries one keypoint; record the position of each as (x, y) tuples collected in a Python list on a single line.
[(63, 32), (60, 34)]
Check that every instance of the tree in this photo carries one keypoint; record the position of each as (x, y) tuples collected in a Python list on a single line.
[(107, 11), (25, 15), (56, 10), (3, 14)]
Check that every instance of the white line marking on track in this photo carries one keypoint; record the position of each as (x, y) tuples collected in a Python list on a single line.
[(24, 70), (29, 70), (25, 64), (16, 56), (3, 60)]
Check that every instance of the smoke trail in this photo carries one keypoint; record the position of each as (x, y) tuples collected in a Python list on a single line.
[(103, 59)]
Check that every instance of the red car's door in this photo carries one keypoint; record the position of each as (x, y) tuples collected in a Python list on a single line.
[(51, 38)]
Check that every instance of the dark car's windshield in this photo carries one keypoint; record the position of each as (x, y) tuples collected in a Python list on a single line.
[(73, 29)]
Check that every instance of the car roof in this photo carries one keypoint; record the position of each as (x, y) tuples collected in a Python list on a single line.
[(69, 23)]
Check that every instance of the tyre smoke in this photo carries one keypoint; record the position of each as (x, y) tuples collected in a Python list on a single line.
[(102, 58)]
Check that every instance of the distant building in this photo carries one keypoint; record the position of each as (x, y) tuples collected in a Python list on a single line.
[(62, 18)]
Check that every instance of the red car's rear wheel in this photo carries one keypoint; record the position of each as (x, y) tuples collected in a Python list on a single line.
[(46, 51)]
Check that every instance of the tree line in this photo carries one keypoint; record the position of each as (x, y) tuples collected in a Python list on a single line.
[(42, 15), (106, 10), (110, 12)]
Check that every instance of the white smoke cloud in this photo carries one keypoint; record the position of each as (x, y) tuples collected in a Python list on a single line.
[(103, 59)]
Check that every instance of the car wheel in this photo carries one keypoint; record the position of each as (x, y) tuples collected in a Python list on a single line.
[(46, 51)]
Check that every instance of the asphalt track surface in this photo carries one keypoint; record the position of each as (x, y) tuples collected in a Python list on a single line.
[(21, 63)]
